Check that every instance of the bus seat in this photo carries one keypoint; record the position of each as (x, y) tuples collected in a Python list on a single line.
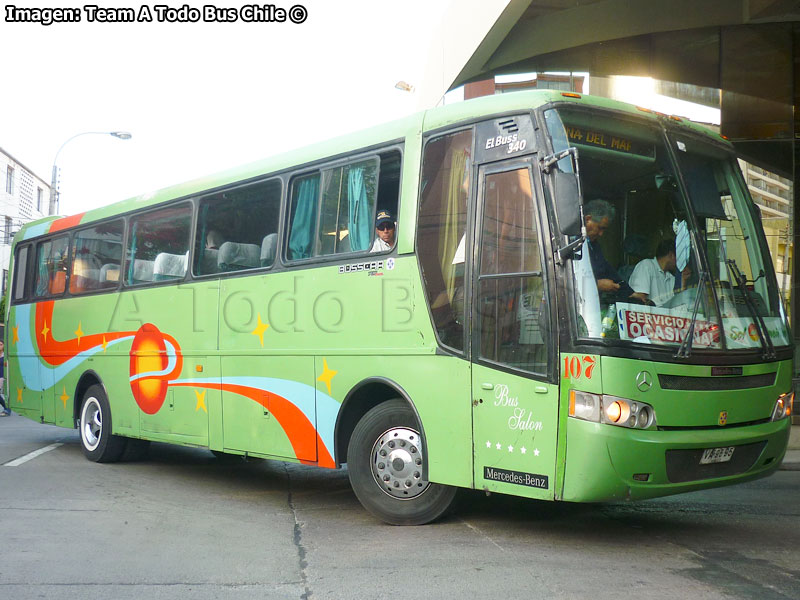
[(83, 277), (208, 264), (109, 273), (234, 256), (58, 282), (142, 270), (269, 247), (169, 266)]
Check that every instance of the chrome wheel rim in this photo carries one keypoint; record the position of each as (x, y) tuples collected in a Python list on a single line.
[(91, 423), (397, 461)]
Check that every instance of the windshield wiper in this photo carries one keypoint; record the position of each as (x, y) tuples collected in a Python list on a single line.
[(685, 349), (761, 327)]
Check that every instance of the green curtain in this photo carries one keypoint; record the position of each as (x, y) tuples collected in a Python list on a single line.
[(304, 221), (360, 219), (454, 223), (132, 260)]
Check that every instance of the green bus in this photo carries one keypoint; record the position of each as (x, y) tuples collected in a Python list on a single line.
[(541, 294)]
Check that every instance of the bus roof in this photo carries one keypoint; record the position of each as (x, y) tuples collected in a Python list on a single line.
[(431, 119)]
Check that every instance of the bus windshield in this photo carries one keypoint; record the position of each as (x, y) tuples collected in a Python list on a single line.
[(663, 263)]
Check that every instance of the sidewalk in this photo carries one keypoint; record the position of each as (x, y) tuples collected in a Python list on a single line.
[(791, 461)]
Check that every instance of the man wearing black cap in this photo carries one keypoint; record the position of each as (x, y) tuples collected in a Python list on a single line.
[(384, 230)]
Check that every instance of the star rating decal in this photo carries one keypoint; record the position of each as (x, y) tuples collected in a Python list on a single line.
[(259, 330), (327, 375), (510, 448), (201, 401), (64, 397)]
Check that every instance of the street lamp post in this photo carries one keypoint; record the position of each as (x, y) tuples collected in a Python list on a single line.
[(53, 209)]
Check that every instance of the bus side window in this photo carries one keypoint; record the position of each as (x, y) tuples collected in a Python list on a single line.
[(333, 211), (51, 267), (346, 220), (512, 294), (388, 186), (303, 212), (96, 257), (159, 245), (441, 231), (20, 270), (238, 229)]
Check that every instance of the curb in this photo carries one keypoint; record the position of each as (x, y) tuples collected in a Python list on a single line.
[(791, 462)]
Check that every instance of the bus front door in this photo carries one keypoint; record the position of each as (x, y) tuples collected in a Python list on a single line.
[(514, 409)]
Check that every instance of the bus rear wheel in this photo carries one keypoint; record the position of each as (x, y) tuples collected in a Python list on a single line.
[(385, 459), (95, 425)]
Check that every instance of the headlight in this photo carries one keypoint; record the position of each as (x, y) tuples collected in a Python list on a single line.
[(611, 410), (783, 406), (583, 405)]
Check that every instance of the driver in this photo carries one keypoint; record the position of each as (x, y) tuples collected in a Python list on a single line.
[(598, 216)]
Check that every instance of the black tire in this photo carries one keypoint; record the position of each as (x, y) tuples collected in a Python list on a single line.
[(95, 426), (393, 489)]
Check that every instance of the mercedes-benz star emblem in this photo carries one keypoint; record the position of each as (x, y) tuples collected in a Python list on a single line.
[(644, 381)]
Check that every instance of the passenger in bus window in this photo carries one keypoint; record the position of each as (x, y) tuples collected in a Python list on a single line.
[(384, 232), (214, 240), (598, 216), (653, 279)]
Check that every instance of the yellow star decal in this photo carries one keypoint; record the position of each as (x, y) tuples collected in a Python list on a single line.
[(79, 333), (19, 395), (104, 344), (15, 329), (44, 331), (201, 401), (259, 330), (64, 397), (327, 375)]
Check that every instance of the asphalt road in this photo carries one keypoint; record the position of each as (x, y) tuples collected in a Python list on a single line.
[(183, 524)]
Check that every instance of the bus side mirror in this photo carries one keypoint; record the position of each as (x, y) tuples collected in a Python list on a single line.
[(566, 190), (567, 197)]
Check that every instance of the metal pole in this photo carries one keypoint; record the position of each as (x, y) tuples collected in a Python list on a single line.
[(53, 207), (123, 135)]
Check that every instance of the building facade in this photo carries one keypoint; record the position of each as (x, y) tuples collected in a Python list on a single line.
[(773, 194), (24, 196)]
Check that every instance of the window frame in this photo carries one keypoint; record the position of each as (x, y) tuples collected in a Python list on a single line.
[(339, 162), (197, 201), (283, 175), (464, 352), (539, 210), (190, 202), (74, 233), (34, 274), (15, 299)]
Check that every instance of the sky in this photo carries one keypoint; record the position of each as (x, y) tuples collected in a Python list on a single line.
[(197, 97)]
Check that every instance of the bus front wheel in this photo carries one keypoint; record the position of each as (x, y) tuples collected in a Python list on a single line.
[(96, 440), (385, 459)]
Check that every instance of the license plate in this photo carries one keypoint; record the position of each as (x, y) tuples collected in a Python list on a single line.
[(716, 455)]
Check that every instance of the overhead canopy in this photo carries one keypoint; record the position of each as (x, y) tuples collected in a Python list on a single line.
[(746, 49)]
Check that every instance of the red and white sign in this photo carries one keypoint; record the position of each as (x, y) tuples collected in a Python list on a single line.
[(661, 327)]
